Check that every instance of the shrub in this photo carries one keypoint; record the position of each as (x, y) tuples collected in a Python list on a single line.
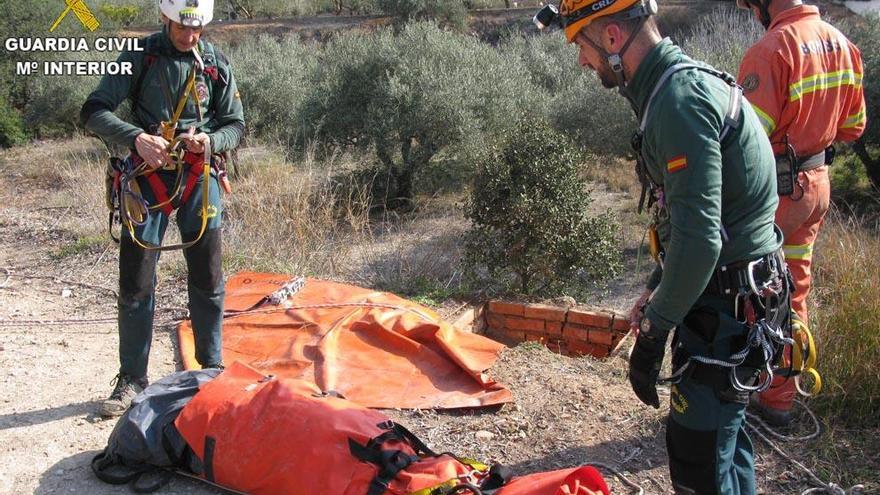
[(11, 126), (414, 97), (120, 15), (597, 119), (866, 34), (848, 294), (446, 13), (272, 76), (54, 103), (528, 210)]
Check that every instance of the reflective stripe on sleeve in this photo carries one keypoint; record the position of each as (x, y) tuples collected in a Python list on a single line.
[(766, 120), (824, 80), (798, 251), (854, 120)]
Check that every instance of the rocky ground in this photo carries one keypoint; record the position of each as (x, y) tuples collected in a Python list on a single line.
[(58, 356)]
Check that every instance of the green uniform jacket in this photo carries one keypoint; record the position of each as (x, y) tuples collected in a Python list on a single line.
[(708, 186), (159, 75)]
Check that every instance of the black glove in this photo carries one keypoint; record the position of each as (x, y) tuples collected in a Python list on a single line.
[(644, 366)]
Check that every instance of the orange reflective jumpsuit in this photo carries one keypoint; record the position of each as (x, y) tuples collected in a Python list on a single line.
[(804, 80)]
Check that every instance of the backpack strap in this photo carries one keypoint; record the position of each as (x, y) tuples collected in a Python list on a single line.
[(731, 120)]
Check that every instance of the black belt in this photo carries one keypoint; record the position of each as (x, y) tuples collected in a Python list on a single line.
[(729, 279), (824, 157)]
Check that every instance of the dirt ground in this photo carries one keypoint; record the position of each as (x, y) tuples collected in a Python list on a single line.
[(58, 356)]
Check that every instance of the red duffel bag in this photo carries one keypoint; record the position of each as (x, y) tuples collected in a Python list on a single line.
[(261, 435)]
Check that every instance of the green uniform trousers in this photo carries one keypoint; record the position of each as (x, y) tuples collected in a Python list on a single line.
[(137, 278), (709, 450)]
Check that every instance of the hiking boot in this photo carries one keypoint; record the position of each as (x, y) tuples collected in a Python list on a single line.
[(127, 387), (216, 366), (770, 415)]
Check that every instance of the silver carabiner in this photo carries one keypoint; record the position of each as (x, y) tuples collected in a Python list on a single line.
[(750, 270)]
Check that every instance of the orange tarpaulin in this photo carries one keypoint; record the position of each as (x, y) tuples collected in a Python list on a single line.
[(373, 348)]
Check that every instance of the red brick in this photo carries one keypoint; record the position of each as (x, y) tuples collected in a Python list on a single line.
[(535, 337), (512, 335), (557, 346), (581, 348), (601, 337), (571, 331), (589, 318), (620, 324), (544, 312), (515, 323), (553, 328), (506, 308), (494, 321)]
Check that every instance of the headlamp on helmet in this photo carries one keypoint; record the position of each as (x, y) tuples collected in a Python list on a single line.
[(574, 15), (190, 13)]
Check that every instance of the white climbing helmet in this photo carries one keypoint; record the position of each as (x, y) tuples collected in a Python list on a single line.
[(191, 13)]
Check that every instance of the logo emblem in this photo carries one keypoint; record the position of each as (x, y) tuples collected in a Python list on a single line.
[(202, 91), (678, 402), (81, 11), (750, 83)]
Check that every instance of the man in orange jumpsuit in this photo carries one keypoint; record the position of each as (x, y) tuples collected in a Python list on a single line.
[(804, 80)]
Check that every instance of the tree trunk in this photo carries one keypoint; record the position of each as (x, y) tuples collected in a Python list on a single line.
[(872, 166)]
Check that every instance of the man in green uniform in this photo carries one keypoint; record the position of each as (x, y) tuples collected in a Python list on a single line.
[(175, 68), (710, 170)]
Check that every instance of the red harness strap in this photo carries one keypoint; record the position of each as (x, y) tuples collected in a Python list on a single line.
[(194, 171), (193, 163)]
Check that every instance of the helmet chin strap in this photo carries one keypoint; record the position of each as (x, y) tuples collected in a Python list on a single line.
[(615, 60)]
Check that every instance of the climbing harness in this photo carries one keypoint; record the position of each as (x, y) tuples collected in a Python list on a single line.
[(123, 193), (763, 308)]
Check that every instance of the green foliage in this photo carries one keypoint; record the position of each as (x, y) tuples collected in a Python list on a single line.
[(528, 210), (596, 118), (272, 77), (54, 102), (412, 97), (120, 15), (11, 125), (865, 33), (446, 13)]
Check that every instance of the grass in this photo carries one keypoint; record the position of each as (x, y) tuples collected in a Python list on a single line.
[(81, 245), (847, 322)]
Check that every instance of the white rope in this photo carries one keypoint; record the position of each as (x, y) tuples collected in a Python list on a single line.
[(235, 314), (827, 488)]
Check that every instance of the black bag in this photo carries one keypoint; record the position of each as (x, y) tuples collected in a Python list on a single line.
[(145, 439)]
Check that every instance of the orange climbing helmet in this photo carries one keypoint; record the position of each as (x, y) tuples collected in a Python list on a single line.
[(574, 15)]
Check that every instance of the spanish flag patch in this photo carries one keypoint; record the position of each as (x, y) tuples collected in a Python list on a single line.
[(676, 163)]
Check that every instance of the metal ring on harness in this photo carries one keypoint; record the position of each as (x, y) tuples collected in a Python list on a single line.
[(127, 222)]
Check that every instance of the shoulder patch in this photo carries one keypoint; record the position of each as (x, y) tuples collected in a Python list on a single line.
[(750, 83), (676, 163)]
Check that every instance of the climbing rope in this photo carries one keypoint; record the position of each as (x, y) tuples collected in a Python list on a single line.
[(235, 314), (755, 425)]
